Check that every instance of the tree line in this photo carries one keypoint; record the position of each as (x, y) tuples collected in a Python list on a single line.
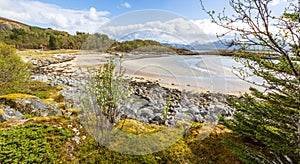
[(48, 39)]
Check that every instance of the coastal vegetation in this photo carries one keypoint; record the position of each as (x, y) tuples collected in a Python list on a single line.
[(267, 122), (13, 71)]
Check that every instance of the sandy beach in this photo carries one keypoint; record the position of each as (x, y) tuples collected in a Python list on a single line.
[(201, 73)]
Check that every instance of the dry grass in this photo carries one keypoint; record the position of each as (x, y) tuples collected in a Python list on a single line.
[(38, 54)]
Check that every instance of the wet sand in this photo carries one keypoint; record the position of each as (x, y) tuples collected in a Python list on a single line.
[(195, 73), (201, 73)]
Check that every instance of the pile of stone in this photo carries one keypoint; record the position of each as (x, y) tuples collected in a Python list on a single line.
[(152, 100), (149, 101), (58, 58), (59, 65)]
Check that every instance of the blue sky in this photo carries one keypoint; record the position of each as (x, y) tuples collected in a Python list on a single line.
[(183, 18), (187, 8)]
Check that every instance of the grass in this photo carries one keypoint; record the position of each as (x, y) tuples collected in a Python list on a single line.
[(38, 54), (36, 89)]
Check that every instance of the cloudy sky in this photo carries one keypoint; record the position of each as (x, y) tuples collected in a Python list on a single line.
[(180, 21)]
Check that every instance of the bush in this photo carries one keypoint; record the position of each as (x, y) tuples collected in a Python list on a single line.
[(107, 93), (13, 71), (32, 143)]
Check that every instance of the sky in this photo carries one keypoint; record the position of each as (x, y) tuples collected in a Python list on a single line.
[(180, 21)]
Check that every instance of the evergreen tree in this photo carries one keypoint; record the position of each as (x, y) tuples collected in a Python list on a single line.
[(266, 122), (53, 43)]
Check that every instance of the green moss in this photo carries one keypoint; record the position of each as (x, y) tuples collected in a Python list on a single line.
[(73, 111), (189, 149), (14, 96), (61, 105), (51, 136), (42, 90), (27, 116), (32, 143), (137, 127)]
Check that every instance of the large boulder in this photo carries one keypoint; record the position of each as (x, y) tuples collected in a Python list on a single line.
[(27, 104), (7, 113)]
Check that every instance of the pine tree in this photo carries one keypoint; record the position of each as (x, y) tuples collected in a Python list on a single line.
[(266, 122)]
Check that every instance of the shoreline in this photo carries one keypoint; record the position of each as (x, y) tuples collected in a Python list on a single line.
[(172, 71), (145, 78), (211, 75)]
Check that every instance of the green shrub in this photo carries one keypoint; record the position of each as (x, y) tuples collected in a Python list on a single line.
[(14, 72), (32, 143), (109, 91)]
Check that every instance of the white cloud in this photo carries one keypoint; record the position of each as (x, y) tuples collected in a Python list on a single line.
[(276, 2), (126, 5), (35, 12), (209, 28), (176, 30)]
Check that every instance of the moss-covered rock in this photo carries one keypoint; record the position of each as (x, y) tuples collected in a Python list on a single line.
[(15, 96), (73, 111), (28, 104)]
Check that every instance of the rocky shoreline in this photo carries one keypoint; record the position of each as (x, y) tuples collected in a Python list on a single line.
[(150, 97), (183, 106)]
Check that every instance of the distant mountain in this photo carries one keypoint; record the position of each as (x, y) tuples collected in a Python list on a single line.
[(216, 45), (159, 36), (177, 45), (198, 46)]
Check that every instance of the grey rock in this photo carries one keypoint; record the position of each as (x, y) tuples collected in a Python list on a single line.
[(194, 110), (184, 109), (33, 106), (145, 112), (8, 113), (183, 117), (203, 113), (199, 118), (157, 120)]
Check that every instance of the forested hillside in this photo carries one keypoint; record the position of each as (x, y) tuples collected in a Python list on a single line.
[(22, 36), (30, 37)]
